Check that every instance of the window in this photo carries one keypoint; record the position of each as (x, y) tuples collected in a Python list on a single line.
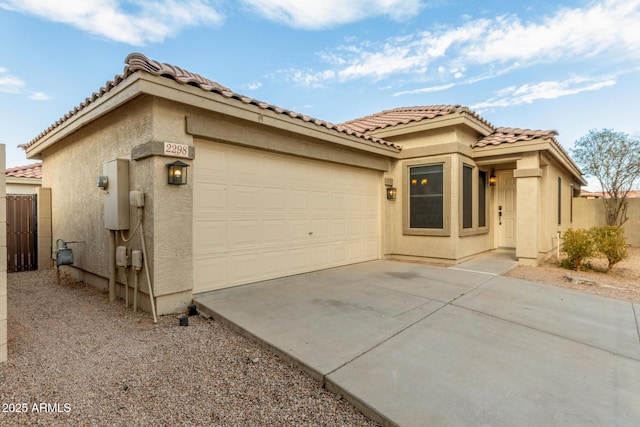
[(426, 196), (559, 200), (482, 199), (571, 190), (467, 196), (473, 201)]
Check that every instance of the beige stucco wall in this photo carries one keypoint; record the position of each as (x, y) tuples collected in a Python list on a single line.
[(77, 215), (589, 213), (3, 263), (548, 206), (452, 147), (77, 205)]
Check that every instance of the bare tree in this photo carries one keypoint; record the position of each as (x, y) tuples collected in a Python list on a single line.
[(614, 159)]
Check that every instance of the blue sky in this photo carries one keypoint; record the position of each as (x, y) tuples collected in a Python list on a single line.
[(570, 66)]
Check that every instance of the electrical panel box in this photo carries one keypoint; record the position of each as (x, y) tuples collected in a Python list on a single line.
[(136, 259), (122, 257), (136, 199), (116, 199)]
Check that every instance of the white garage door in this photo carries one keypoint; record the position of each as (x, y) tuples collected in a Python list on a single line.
[(260, 215)]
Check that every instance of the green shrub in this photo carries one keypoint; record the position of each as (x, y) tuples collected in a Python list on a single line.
[(610, 242), (578, 245)]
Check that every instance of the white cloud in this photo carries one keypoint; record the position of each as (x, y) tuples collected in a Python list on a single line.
[(570, 32), (17, 86), (10, 84), (319, 14), (528, 93), (253, 86), (39, 96), (135, 22), (486, 48), (425, 90)]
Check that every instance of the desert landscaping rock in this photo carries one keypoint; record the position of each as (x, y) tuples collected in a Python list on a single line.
[(85, 361), (622, 282)]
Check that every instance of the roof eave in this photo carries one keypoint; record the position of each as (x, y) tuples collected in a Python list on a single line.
[(449, 120), (124, 92), (139, 83), (542, 144)]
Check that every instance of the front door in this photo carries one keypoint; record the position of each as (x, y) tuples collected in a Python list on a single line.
[(506, 209)]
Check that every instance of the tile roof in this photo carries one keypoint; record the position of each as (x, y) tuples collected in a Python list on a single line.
[(510, 135), (137, 62), (29, 171), (404, 115)]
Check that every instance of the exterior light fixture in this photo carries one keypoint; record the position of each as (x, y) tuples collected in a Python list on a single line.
[(492, 179), (391, 193), (177, 173)]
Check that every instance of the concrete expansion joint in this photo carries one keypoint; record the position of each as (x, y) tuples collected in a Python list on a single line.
[(544, 331), (636, 317), (445, 304)]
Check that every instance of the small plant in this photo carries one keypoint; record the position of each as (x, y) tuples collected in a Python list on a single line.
[(611, 243), (578, 245)]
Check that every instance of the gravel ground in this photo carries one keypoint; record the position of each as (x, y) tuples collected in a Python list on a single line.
[(622, 282), (77, 359)]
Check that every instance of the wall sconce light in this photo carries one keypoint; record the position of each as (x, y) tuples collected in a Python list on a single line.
[(391, 193), (492, 179), (177, 173)]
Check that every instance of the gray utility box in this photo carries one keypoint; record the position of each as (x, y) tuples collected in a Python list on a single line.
[(116, 199)]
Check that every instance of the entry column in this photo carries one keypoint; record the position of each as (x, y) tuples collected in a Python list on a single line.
[(528, 174)]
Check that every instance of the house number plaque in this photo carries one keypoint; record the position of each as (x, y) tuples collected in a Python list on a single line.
[(176, 150)]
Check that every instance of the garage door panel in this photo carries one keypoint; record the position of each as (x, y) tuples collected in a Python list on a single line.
[(211, 272), (299, 260), (322, 201), (245, 198), (339, 203), (338, 229), (242, 267), (299, 229), (319, 256), (244, 233), (210, 197), (275, 199), (274, 231), (210, 235), (244, 166), (275, 263), (299, 200), (320, 230), (217, 162), (260, 215)]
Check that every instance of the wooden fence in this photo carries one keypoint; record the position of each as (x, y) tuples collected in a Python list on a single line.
[(22, 254)]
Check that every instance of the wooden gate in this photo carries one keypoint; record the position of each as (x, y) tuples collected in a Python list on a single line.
[(21, 232)]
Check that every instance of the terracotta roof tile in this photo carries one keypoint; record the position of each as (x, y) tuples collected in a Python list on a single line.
[(404, 115), (137, 62), (29, 171), (511, 135)]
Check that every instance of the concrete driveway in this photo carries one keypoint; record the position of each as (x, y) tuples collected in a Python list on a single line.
[(418, 345)]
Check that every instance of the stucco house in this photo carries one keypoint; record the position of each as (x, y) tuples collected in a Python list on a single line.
[(270, 192)]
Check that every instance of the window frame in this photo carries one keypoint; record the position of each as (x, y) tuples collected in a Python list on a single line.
[(475, 228), (445, 161)]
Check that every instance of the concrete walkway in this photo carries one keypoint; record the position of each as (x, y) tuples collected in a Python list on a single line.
[(418, 345)]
